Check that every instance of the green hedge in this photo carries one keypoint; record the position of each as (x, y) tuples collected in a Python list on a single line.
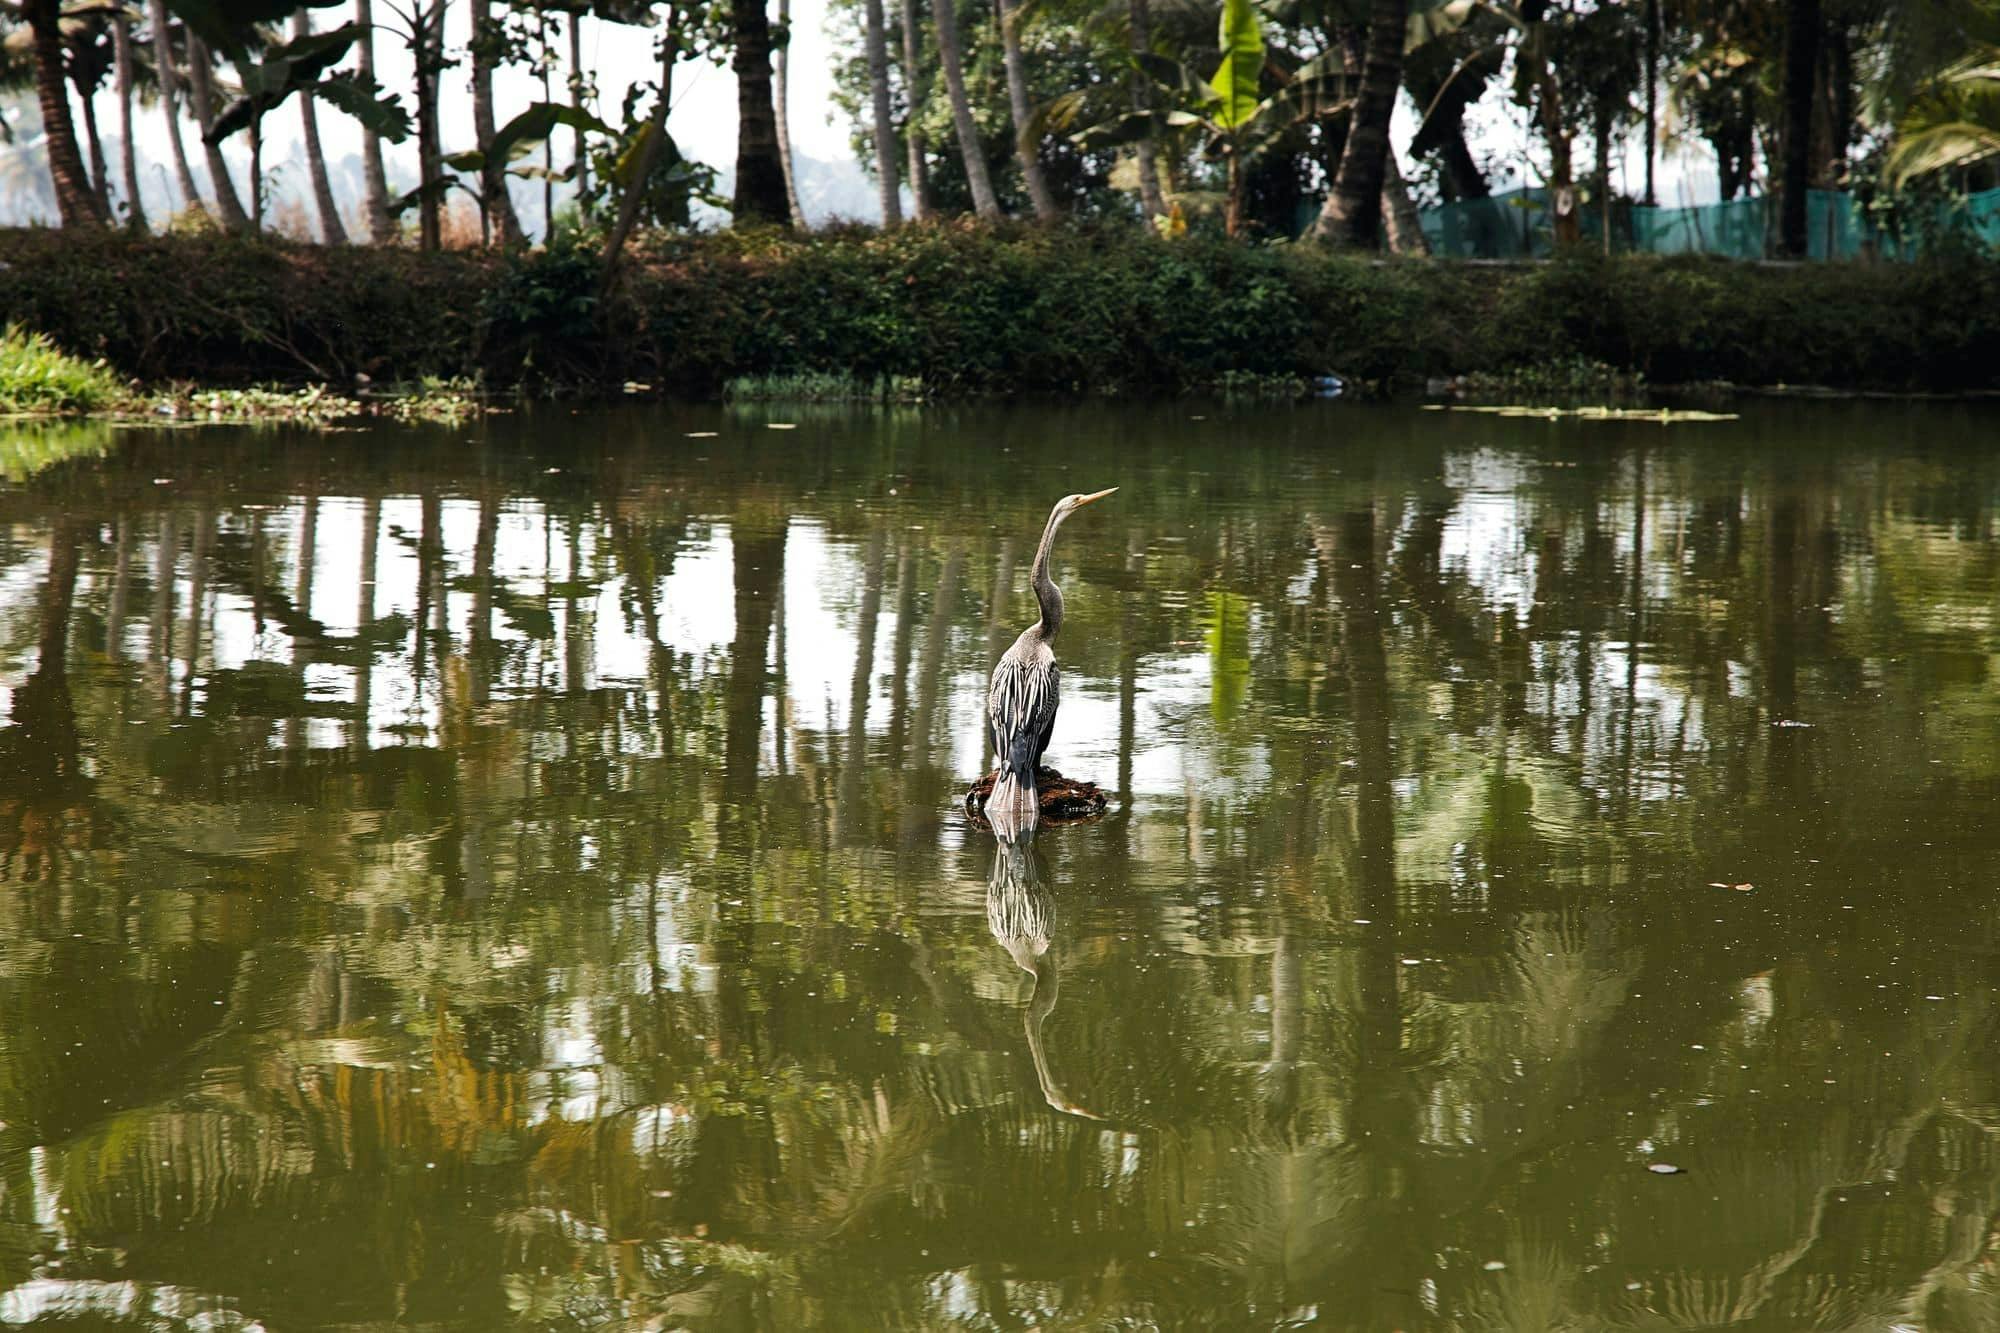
[(965, 309)]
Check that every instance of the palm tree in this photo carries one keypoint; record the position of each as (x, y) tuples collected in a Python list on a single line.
[(884, 126), (374, 181), (1353, 211), (1152, 199), (167, 70), (984, 202), (1017, 100), (1954, 122), (916, 88), (760, 174), (495, 208), (76, 206), (128, 156), (781, 62), (330, 229), (1802, 22), (201, 85)]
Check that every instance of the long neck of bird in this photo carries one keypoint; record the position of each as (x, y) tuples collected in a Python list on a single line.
[(1047, 594)]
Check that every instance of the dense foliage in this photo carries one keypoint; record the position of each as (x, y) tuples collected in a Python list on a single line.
[(967, 309)]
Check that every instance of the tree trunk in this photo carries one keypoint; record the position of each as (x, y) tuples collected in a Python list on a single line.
[(779, 63), (916, 89), (628, 206), (885, 126), (374, 181), (1833, 107), (496, 209), (256, 133), (1801, 58), (1601, 136), (1652, 94), (76, 206), (1353, 212), (330, 229), (128, 154), (1399, 213), (578, 154), (1232, 204), (1152, 199), (984, 203), (1017, 100), (168, 74), (427, 52), (760, 175), (228, 207), (100, 184)]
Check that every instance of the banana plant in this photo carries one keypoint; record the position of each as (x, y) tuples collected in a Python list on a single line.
[(1954, 122), (1228, 107), (303, 65), (510, 143)]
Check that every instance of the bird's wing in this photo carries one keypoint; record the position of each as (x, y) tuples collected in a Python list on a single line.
[(1021, 710)]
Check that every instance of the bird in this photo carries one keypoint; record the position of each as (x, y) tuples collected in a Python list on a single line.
[(1021, 700)]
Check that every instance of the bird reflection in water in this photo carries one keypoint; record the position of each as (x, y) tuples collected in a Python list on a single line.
[(1021, 913)]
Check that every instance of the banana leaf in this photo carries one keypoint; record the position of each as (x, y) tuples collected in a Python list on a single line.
[(1238, 77)]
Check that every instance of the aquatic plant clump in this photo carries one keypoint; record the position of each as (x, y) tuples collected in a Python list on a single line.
[(36, 376)]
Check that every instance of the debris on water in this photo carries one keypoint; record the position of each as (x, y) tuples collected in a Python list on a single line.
[(1062, 799), (701, 434), (1665, 1169), (1493, 1266), (1790, 722), (1329, 386), (781, 425)]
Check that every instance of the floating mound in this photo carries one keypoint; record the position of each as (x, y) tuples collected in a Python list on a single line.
[(1061, 798)]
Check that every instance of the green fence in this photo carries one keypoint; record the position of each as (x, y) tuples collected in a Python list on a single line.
[(1517, 225)]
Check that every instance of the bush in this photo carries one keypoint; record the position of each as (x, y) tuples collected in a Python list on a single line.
[(37, 376), (963, 309)]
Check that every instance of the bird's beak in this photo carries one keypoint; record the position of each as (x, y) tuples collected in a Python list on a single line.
[(1092, 499)]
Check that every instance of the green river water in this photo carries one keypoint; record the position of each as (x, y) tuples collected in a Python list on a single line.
[(511, 876)]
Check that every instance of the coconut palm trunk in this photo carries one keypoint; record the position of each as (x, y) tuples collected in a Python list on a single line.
[(128, 153), (781, 59), (1353, 211), (1017, 100), (1405, 230), (201, 88), (330, 228), (76, 206), (1802, 24), (916, 88), (577, 83), (374, 181), (495, 209), (168, 73), (1152, 199), (100, 184), (885, 126), (760, 175), (984, 202), (427, 53)]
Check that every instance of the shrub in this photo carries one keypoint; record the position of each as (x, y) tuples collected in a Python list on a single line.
[(38, 376)]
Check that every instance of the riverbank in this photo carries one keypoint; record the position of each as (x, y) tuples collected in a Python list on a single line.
[(948, 310)]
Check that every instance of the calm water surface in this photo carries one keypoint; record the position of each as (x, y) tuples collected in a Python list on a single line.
[(510, 876)]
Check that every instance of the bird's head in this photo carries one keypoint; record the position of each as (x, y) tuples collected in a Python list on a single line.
[(1069, 504)]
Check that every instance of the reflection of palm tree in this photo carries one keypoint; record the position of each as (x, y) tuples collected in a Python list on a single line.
[(1021, 914)]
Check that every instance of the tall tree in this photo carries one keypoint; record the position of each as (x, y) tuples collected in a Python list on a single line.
[(128, 153), (1017, 100), (496, 209), (1152, 199), (760, 176), (374, 180), (84, 44), (1353, 211), (166, 69), (76, 204), (201, 86), (884, 126), (1802, 21), (331, 230), (780, 68), (579, 89), (951, 56), (916, 89)]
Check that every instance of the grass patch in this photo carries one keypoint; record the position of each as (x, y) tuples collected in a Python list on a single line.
[(37, 376)]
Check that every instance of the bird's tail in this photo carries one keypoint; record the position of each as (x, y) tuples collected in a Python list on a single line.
[(1013, 795)]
